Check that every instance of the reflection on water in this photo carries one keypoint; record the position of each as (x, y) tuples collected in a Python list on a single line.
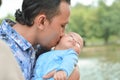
[(98, 69), (100, 62)]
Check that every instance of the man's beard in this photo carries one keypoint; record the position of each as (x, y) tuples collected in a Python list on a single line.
[(40, 50), (51, 40)]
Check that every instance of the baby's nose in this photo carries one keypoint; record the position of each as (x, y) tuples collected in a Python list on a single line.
[(74, 42), (78, 45)]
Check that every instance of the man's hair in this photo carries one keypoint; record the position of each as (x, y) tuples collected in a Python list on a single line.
[(31, 8)]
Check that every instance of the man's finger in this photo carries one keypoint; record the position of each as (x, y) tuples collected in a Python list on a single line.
[(50, 74)]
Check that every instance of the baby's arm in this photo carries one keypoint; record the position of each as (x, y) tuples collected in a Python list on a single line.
[(70, 59)]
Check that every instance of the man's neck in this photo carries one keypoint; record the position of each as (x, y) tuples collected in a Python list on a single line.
[(25, 31)]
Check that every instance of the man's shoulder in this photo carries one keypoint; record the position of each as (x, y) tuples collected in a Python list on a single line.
[(7, 58), (2, 44)]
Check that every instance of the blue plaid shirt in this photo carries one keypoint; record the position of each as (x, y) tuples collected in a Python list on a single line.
[(21, 48)]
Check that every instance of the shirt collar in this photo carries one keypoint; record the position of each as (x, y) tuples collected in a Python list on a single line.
[(22, 42)]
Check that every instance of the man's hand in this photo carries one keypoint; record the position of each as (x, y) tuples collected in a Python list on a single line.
[(59, 75), (74, 76), (49, 75)]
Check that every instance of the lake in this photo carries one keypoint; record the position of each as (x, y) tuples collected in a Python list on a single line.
[(101, 67)]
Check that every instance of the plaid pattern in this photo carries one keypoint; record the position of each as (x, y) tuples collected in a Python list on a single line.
[(21, 48)]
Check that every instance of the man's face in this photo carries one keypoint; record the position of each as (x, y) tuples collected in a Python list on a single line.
[(55, 29)]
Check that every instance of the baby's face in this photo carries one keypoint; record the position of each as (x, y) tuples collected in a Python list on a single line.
[(71, 41)]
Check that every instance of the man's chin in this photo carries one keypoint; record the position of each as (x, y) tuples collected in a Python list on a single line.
[(46, 47)]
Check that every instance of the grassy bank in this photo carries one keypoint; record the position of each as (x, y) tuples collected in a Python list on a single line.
[(110, 52)]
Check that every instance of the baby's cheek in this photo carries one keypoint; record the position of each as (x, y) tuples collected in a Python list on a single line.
[(77, 49)]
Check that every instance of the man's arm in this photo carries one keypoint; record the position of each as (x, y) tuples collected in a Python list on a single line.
[(75, 74), (68, 63), (68, 66)]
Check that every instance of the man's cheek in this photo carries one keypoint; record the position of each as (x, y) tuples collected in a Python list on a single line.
[(52, 38)]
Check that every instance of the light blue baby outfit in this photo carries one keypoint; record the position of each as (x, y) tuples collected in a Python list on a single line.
[(55, 60)]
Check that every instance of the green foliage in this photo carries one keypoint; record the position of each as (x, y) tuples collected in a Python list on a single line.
[(0, 21), (99, 22), (109, 20), (9, 16), (94, 22)]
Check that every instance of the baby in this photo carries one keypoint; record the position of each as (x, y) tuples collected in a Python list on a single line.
[(62, 59)]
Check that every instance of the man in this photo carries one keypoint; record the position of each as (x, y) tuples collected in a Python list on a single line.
[(40, 22), (9, 69)]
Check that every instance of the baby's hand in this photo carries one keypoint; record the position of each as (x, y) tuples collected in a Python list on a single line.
[(60, 75)]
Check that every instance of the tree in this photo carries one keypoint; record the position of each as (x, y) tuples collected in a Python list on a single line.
[(109, 23), (83, 20), (96, 22)]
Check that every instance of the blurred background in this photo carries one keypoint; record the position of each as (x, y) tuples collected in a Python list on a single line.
[(98, 22)]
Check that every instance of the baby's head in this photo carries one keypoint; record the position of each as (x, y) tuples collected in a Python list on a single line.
[(71, 40)]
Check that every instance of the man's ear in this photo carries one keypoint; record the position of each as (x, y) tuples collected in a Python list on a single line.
[(40, 20)]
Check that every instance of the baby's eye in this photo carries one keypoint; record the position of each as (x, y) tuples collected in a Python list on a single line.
[(70, 38)]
